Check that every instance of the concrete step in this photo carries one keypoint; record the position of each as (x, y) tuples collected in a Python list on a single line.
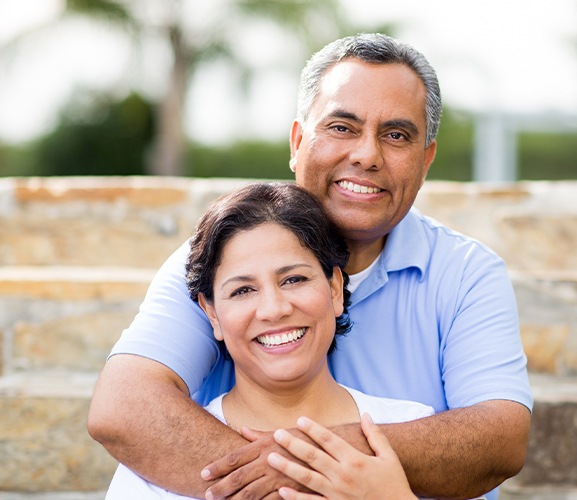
[(65, 317), (44, 445), (551, 467), (58, 495), (96, 221)]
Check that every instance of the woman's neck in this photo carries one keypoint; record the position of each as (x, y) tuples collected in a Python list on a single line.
[(268, 408)]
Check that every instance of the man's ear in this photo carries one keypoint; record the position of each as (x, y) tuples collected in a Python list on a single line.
[(208, 308), (430, 153), (336, 283), (296, 136)]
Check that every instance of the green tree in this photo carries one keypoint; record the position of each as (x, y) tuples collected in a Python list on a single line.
[(196, 31), (96, 135)]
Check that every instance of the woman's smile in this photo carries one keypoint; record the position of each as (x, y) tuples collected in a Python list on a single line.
[(281, 339)]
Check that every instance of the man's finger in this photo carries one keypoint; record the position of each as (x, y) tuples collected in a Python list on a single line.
[(235, 481), (231, 462)]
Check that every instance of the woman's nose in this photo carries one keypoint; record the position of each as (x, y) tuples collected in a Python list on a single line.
[(273, 305)]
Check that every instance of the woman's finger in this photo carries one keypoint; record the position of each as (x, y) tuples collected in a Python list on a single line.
[(303, 475)]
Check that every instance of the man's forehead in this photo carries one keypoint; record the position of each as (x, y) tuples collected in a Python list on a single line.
[(353, 81)]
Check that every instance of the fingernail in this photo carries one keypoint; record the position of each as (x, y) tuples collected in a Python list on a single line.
[(301, 422), (205, 473), (368, 418), (279, 434), (273, 458)]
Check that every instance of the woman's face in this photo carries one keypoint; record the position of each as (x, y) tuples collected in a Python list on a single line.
[(274, 307)]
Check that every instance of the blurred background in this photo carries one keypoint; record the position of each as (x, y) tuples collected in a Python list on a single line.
[(208, 88)]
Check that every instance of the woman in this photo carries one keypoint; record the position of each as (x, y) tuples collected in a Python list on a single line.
[(266, 267)]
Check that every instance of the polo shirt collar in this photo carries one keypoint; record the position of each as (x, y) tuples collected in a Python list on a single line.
[(407, 246)]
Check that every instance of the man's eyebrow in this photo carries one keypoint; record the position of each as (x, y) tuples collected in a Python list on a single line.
[(347, 115), (400, 123), (407, 125)]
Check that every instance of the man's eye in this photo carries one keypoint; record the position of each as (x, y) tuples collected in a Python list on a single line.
[(396, 136), (340, 128)]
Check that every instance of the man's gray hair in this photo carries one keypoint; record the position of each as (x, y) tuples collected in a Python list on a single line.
[(374, 48)]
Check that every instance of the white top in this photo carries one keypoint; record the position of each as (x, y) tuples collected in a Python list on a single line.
[(127, 485)]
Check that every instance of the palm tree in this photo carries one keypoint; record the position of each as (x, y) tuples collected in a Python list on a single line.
[(197, 30)]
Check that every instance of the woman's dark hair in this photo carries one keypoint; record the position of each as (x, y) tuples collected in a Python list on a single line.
[(284, 204)]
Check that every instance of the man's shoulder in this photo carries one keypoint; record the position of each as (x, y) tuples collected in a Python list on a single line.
[(440, 235)]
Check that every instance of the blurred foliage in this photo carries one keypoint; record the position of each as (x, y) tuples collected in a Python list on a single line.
[(454, 158), (95, 136), (547, 156), (254, 160), (99, 135)]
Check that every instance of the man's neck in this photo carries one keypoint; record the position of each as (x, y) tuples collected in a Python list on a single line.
[(363, 254)]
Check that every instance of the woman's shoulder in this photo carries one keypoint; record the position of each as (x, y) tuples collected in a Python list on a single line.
[(387, 410)]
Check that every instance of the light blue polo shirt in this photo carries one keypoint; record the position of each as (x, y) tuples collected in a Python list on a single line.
[(435, 321)]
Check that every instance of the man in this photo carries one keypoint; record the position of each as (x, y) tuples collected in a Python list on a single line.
[(434, 312)]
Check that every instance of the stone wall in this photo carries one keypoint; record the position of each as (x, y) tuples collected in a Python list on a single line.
[(77, 254)]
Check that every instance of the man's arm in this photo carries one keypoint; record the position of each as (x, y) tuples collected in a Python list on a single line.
[(460, 453), (465, 452), (143, 416)]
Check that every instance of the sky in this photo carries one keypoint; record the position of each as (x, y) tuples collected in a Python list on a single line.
[(516, 56)]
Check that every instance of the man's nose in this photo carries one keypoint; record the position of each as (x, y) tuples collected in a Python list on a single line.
[(367, 152)]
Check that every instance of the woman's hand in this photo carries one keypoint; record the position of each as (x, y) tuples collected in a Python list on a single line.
[(337, 470)]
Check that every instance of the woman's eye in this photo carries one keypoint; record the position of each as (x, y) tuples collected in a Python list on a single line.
[(294, 279), (241, 291)]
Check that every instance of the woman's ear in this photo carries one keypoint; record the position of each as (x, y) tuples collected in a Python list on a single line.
[(336, 284), (210, 311)]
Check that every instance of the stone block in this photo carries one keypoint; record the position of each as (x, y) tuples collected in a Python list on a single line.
[(78, 342), (552, 452), (44, 445), (544, 346), (547, 305), (66, 318), (87, 221)]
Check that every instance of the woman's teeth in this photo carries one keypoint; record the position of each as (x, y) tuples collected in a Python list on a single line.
[(285, 338)]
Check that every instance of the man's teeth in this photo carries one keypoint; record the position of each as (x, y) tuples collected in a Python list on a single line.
[(285, 338), (357, 188)]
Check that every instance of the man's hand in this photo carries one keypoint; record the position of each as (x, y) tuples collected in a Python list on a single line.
[(246, 473)]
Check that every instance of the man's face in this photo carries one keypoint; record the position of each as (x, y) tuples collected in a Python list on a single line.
[(362, 150)]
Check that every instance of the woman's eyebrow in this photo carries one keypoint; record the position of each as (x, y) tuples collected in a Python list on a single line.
[(291, 267)]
